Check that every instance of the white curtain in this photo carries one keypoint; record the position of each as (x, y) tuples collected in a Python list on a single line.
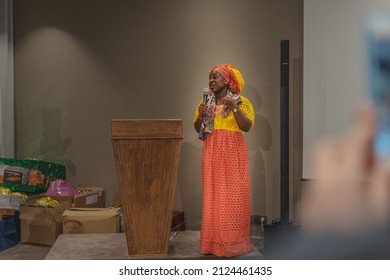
[(6, 80)]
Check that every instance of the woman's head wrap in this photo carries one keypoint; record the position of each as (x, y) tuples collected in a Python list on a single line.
[(232, 76)]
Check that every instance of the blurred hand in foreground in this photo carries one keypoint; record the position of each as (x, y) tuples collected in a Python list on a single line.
[(350, 188)]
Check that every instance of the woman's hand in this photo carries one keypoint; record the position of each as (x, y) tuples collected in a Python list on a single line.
[(229, 102), (243, 122), (202, 109)]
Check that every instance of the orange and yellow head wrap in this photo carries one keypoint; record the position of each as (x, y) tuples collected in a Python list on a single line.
[(232, 76)]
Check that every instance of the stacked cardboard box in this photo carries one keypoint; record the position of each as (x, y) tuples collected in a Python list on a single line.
[(91, 220), (42, 224), (89, 197)]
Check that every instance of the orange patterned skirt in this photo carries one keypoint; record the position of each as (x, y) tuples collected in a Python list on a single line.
[(225, 229)]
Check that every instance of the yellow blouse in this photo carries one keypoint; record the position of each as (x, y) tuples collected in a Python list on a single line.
[(229, 123)]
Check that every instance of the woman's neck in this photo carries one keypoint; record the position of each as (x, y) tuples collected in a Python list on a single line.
[(219, 96)]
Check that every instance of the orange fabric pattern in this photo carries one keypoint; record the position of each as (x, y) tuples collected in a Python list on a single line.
[(225, 229)]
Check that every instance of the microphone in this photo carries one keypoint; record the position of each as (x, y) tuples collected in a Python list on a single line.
[(205, 95)]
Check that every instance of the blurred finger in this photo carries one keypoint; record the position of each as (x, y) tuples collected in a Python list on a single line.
[(358, 142)]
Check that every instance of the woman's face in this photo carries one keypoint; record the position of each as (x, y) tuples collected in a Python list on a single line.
[(216, 82)]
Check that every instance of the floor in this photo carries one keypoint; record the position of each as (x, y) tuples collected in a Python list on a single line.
[(183, 245)]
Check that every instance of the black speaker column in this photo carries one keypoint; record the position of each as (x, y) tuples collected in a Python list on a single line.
[(284, 128), (282, 233)]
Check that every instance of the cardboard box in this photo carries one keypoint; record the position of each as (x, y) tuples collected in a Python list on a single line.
[(91, 220), (91, 197), (42, 225)]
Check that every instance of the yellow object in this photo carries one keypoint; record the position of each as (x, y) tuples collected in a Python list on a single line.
[(47, 201), (5, 191), (238, 75)]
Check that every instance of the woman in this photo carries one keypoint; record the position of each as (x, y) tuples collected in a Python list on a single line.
[(220, 120)]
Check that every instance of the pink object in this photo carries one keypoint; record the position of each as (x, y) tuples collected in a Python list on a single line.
[(60, 187)]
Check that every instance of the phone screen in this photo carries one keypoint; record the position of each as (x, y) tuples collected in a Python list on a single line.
[(377, 35)]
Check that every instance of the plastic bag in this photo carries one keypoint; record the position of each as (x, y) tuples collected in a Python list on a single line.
[(60, 187)]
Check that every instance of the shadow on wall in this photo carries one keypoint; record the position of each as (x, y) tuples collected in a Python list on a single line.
[(52, 145), (259, 141)]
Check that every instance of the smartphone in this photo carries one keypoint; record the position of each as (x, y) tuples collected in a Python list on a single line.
[(377, 37)]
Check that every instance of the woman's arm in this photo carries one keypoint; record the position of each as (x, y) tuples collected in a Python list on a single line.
[(243, 122)]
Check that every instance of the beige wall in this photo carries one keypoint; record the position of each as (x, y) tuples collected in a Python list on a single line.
[(79, 64)]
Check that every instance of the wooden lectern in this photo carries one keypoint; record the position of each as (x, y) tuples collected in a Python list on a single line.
[(147, 156)]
